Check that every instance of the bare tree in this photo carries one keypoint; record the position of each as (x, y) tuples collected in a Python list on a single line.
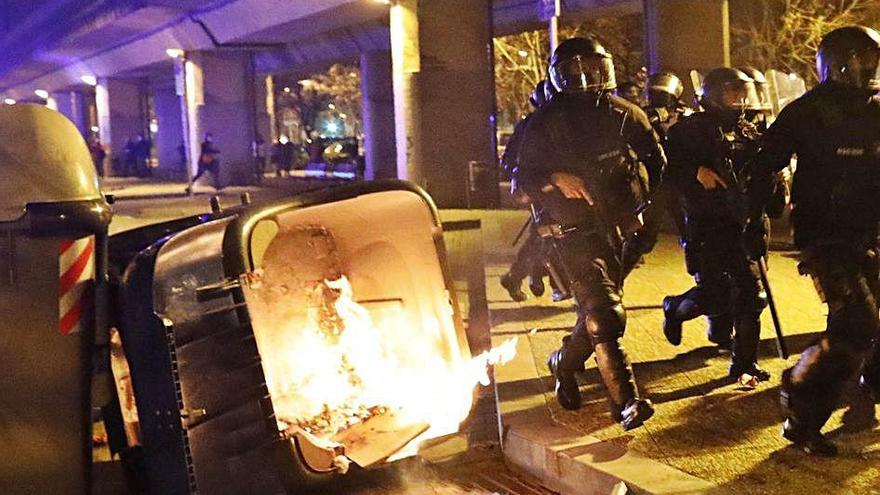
[(520, 63), (336, 91), (784, 34), (521, 59)]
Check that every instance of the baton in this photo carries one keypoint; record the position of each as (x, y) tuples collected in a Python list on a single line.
[(780, 339), (522, 231)]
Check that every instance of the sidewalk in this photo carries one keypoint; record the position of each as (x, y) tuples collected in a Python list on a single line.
[(707, 436)]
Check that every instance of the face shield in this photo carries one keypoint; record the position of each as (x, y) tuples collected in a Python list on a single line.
[(583, 74), (861, 70), (740, 96), (864, 68), (764, 99), (667, 83)]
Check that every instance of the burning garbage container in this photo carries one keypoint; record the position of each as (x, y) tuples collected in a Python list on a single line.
[(281, 346), (53, 232)]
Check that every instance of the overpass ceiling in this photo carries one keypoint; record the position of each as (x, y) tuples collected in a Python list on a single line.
[(44, 38), (335, 19)]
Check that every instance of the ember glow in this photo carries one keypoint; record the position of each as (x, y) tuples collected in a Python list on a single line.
[(348, 363)]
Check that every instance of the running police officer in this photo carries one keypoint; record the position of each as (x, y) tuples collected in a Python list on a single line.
[(527, 261), (664, 109), (583, 160), (709, 157), (835, 131)]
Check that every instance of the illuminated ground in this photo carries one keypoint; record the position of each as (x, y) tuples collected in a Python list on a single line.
[(704, 426)]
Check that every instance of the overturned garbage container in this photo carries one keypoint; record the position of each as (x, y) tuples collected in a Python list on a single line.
[(53, 231), (231, 326)]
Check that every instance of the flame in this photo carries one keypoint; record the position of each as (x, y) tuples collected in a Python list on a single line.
[(341, 367)]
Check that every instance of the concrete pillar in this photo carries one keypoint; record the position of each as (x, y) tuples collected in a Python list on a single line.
[(444, 97), (121, 114), (378, 115), (169, 137), (681, 35), (72, 105), (220, 89), (264, 98)]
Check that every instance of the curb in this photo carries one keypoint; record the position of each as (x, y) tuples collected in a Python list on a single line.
[(565, 460)]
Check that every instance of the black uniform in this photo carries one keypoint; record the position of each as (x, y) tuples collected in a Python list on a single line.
[(728, 283), (835, 131), (607, 142), (665, 198), (528, 260)]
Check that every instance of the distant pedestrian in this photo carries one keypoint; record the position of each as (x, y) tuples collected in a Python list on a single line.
[(143, 149), (129, 163), (259, 152), (288, 156), (208, 162), (96, 149)]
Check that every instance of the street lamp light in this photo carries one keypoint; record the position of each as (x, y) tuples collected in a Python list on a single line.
[(175, 52), (42, 93), (90, 80), (9, 101)]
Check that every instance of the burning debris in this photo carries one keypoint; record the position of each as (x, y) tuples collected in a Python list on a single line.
[(334, 374)]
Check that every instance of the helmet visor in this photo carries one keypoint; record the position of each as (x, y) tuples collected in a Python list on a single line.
[(865, 70), (583, 74), (667, 84), (763, 91), (740, 95)]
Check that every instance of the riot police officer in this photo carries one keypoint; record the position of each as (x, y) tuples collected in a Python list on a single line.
[(583, 160), (835, 131), (664, 109), (664, 102), (527, 261), (762, 89), (709, 158)]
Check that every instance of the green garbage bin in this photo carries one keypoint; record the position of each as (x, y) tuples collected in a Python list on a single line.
[(53, 234)]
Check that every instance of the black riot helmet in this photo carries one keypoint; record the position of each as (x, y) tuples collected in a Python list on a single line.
[(729, 90), (851, 56), (538, 97), (664, 90), (581, 65)]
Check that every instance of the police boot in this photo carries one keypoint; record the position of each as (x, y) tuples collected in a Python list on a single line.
[(720, 331), (567, 392), (810, 440), (745, 350), (803, 422), (677, 310), (671, 323), (513, 287), (536, 285), (626, 407), (636, 412)]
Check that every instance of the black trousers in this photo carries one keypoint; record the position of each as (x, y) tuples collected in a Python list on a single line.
[(728, 286), (213, 167), (528, 259), (847, 281), (593, 266)]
